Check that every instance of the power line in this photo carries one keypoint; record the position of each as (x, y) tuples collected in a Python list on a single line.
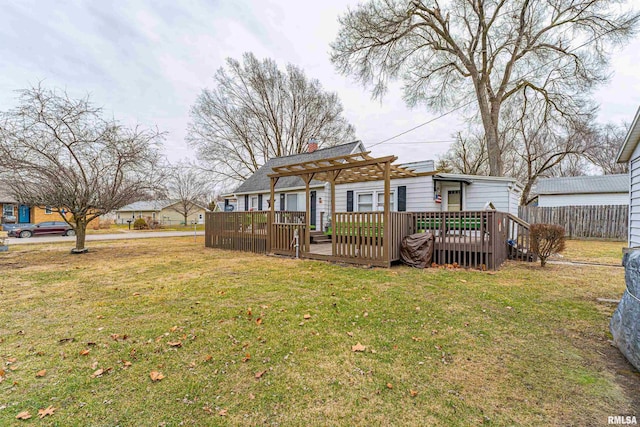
[(472, 101)]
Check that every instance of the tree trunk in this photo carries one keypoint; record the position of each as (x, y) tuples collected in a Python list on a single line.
[(185, 219), (81, 234), (490, 114)]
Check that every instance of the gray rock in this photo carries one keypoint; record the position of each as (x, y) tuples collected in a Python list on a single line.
[(625, 323)]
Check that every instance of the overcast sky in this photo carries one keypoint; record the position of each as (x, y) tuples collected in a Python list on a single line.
[(146, 61)]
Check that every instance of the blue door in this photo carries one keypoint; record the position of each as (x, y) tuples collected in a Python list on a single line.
[(24, 213)]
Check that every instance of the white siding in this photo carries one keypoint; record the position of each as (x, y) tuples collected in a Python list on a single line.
[(419, 193), (634, 202), (478, 193), (321, 193), (551, 200)]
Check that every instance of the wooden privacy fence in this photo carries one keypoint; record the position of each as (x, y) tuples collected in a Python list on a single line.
[(602, 222)]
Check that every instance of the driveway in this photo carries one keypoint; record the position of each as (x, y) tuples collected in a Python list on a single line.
[(97, 237)]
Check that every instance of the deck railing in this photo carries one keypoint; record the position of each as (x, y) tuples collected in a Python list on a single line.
[(241, 231), (283, 232), (358, 235), (474, 239)]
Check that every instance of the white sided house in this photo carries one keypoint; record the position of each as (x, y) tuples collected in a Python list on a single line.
[(630, 153), (603, 190), (430, 191)]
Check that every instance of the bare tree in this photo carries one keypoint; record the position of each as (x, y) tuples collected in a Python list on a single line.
[(188, 188), (604, 152), (256, 111), (536, 141), (449, 53), (468, 155), (60, 152)]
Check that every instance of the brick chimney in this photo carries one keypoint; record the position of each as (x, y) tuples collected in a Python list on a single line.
[(313, 145)]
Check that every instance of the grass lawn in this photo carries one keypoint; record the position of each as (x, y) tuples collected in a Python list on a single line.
[(259, 340), (594, 251)]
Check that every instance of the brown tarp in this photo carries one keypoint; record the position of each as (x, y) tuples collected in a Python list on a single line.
[(417, 250)]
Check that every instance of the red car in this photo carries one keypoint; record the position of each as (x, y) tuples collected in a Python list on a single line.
[(44, 228)]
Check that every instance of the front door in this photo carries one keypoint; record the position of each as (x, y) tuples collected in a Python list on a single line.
[(312, 210), (24, 214), (454, 200)]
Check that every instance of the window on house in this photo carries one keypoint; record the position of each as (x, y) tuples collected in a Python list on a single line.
[(253, 203), (47, 210), (365, 202), (380, 206), (292, 202), (7, 210)]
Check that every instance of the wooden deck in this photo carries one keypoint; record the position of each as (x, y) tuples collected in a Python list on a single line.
[(482, 240)]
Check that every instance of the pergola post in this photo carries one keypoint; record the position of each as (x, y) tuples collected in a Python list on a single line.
[(332, 181), (271, 216), (386, 227), (307, 205)]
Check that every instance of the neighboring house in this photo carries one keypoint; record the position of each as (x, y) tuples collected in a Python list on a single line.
[(600, 190), (8, 209), (429, 191), (163, 211), (630, 153), (13, 212), (625, 322)]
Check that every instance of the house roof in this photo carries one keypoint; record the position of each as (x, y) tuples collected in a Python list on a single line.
[(583, 185), (631, 140), (260, 181), (147, 206), (456, 177)]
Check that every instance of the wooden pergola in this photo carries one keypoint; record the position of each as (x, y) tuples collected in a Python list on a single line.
[(352, 168)]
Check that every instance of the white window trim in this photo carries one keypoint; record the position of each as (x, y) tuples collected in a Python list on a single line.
[(374, 200), (47, 210), (251, 204), (286, 201), (8, 209)]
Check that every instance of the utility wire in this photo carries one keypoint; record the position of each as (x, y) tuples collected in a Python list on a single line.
[(472, 101)]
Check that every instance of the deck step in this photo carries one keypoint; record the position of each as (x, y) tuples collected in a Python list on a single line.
[(320, 238)]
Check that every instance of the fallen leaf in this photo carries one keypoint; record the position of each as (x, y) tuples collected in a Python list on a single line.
[(246, 358), (126, 364), (99, 317), (175, 344), (173, 329), (94, 365), (416, 338), (11, 360), (84, 352), (365, 314), (251, 396), (208, 358), (463, 281), (44, 412), (413, 393), (389, 386), (358, 347), (249, 312), (24, 415), (135, 294), (97, 373), (64, 340), (41, 373), (222, 413), (2, 373), (260, 374), (207, 410), (156, 376), (259, 321), (115, 337), (91, 344), (350, 334), (307, 316)]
